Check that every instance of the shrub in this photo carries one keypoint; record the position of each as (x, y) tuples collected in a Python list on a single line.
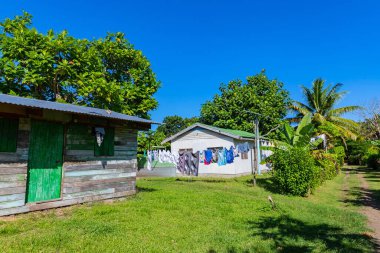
[(294, 171), (329, 166), (373, 161), (341, 154)]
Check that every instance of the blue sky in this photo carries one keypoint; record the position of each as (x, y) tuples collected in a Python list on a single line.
[(196, 45)]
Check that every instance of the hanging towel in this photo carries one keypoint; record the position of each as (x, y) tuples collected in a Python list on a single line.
[(214, 156), (181, 162), (201, 156), (195, 164)]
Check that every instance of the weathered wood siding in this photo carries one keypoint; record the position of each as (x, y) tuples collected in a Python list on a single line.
[(13, 170), (86, 177)]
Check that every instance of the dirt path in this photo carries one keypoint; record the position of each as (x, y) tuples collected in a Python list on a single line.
[(371, 210)]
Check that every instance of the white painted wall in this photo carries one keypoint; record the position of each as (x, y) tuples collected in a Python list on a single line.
[(200, 139)]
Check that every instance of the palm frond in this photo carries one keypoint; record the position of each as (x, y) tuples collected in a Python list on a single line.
[(342, 110)]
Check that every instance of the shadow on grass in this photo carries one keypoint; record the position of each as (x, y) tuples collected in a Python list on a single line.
[(362, 196), (145, 189), (206, 180), (267, 183), (292, 235)]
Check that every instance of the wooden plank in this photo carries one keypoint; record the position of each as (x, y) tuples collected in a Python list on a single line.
[(83, 158), (68, 190), (99, 177), (13, 184), (97, 172), (13, 165), (80, 167), (62, 203), (11, 171), (10, 204), (97, 182), (12, 190), (89, 193), (12, 178), (19, 196)]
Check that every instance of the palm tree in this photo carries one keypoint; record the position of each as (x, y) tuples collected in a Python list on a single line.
[(320, 102)]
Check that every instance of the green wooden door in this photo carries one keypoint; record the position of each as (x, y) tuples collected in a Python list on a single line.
[(45, 161)]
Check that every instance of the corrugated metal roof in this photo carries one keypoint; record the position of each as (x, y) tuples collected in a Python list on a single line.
[(236, 134), (76, 109)]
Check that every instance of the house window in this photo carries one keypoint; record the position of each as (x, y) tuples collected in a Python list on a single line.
[(106, 147), (186, 150), (215, 148), (8, 134), (244, 155)]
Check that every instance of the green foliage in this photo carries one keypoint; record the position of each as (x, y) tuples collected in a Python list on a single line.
[(173, 124), (359, 151), (259, 94), (321, 101), (105, 73), (295, 171), (373, 161), (147, 140), (329, 166), (340, 153), (298, 137)]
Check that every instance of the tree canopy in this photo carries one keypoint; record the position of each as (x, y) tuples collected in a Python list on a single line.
[(321, 101), (173, 124), (105, 73), (231, 108)]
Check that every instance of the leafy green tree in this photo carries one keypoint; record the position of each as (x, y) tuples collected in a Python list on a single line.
[(106, 73), (173, 124), (230, 108), (321, 102)]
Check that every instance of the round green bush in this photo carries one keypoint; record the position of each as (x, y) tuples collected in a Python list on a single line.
[(294, 171)]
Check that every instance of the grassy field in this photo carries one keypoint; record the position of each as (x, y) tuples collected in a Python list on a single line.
[(199, 215)]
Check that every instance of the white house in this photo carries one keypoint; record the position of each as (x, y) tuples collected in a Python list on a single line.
[(200, 137)]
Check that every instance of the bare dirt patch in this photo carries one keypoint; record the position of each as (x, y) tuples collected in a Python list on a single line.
[(371, 210)]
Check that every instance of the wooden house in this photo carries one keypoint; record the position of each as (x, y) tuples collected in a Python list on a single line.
[(54, 154)]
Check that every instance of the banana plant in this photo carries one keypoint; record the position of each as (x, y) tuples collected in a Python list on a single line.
[(297, 137)]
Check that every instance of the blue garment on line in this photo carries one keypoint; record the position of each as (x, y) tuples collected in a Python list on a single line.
[(230, 155), (208, 156), (243, 147), (222, 158)]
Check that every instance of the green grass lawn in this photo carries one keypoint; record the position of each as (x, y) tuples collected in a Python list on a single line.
[(199, 215)]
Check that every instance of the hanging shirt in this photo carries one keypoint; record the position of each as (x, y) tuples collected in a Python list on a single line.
[(222, 157), (243, 147), (230, 155)]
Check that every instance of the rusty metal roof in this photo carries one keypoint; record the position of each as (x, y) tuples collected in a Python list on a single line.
[(75, 109)]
